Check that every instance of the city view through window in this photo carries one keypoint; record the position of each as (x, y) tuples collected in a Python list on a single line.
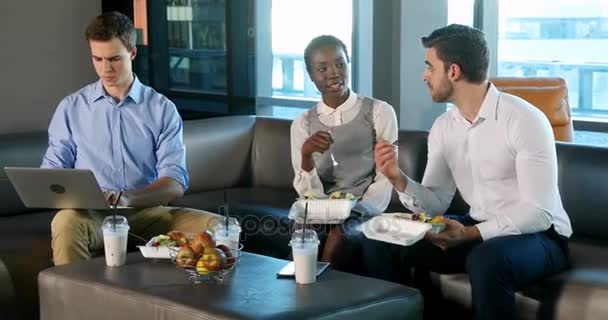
[(294, 24), (563, 38)]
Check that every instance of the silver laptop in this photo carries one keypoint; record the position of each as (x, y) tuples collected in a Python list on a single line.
[(57, 188)]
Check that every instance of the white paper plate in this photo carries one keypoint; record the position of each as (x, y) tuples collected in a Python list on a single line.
[(322, 211), (161, 252), (395, 229)]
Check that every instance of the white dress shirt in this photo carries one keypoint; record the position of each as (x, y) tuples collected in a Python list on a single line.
[(504, 164), (378, 194)]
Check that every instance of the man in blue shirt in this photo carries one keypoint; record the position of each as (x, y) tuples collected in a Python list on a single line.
[(130, 136)]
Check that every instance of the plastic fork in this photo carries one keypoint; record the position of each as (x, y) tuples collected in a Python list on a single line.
[(333, 160)]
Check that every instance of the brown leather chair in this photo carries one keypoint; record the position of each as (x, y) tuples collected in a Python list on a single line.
[(550, 95)]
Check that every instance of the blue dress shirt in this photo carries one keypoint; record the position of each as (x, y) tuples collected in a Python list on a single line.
[(127, 144)]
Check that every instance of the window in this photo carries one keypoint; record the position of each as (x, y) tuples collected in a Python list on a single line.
[(563, 38), (294, 23), (199, 53), (140, 21), (461, 12), (196, 34)]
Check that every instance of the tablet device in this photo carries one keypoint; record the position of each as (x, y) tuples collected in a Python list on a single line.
[(289, 271)]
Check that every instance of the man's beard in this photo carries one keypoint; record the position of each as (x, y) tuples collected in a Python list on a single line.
[(443, 92)]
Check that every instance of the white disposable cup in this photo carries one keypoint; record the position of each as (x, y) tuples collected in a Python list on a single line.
[(115, 242), (305, 261), (229, 239), (228, 236)]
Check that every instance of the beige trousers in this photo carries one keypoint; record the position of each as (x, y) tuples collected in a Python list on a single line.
[(76, 234)]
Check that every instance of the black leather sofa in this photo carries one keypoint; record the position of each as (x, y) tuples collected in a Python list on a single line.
[(249, 158)]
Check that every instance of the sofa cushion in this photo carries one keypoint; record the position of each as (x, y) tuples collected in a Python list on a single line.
[(18, 150), (579, 292), (582, 182), (456, 288), (588, 253), (218, 152), (261, 211), (271, 154)]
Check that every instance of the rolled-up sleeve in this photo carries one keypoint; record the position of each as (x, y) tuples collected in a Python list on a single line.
[(170, 150), (61, 150)]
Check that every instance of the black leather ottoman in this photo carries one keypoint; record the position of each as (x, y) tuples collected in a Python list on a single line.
[(156, 289)]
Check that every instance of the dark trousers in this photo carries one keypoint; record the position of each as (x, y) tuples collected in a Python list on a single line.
[(496, 267)]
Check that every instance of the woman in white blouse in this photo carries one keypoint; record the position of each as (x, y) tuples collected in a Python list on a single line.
[(332, 144)]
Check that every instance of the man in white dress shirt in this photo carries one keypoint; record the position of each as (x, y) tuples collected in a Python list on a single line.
[(332, 144), (499, 152)]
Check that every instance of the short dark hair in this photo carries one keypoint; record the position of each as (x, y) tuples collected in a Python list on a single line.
[(464, 46), (111, 25), (320, 42)]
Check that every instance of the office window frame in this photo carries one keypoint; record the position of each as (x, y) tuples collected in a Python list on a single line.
[(361, 58), (240, 94)]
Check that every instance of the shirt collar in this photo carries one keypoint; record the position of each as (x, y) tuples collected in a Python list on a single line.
[(490, 103), (135, 92), (98, 91), (488, 106), (350, 102)]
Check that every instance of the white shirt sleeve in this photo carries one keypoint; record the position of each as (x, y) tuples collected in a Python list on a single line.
[(305, 183), (536, 169), (378, 195), (434, 195)]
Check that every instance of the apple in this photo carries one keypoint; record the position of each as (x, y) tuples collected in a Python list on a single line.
[(230, 258), (186, 257), (179, 238), (202, 241), (212, 260)]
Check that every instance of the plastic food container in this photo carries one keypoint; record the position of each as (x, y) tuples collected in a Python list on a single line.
[(397, 229), (322, 211)]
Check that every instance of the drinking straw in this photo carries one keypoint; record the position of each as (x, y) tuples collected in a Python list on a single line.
[(115, 209), (305, 218), (226, 211)]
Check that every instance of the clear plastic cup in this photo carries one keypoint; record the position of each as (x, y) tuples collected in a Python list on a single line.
[(305, 253), (230, 236), (115, 234)]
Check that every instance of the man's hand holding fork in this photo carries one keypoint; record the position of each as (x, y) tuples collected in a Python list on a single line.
[(387, 164)]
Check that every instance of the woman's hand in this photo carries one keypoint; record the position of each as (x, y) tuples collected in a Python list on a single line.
[(320, 141)]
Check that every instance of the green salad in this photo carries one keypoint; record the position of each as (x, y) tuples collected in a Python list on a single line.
[(163, 241)]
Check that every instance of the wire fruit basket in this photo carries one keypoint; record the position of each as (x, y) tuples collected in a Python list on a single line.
[(212, 266)]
